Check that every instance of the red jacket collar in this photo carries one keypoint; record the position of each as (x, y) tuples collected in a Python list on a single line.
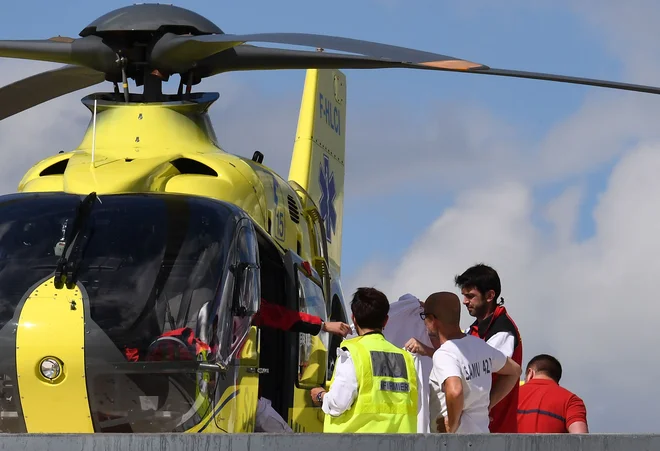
[(481, 327)]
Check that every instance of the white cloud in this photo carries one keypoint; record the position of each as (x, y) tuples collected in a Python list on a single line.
[(563, 213), (630, 32), (572, 299)]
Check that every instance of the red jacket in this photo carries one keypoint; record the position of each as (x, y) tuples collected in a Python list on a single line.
[(282, 318), (505, 413)]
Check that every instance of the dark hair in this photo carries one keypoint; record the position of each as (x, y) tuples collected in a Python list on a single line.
[(546, 364), (482, 277), (370, 308)]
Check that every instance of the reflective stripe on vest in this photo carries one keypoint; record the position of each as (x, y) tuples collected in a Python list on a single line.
[(386, 402)]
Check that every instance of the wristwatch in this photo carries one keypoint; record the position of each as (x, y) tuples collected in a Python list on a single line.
[(319, 397)]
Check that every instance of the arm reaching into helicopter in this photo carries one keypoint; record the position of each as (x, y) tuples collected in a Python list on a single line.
[(279, 317), (274, 316)]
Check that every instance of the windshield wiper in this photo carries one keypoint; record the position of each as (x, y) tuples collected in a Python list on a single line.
[(65, 270)]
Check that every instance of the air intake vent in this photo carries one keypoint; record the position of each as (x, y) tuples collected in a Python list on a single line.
[(189, 166), (293, 209), (55, 169)]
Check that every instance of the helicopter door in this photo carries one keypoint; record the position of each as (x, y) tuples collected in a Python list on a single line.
[(239, 295), (312, 350)]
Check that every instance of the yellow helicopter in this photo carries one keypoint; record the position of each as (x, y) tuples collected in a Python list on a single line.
[(148, 226)]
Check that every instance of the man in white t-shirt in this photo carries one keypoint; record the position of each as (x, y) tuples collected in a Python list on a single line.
[(461, 383)]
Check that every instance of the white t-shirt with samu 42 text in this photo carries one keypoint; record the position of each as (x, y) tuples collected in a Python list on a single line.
[(474, 361)]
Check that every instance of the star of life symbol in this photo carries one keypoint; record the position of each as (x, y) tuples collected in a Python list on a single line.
[(328, 195)]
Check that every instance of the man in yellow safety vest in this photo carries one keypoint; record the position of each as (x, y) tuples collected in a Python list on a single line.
[(374, 385)]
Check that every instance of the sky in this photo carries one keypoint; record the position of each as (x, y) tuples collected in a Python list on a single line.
[(554, 185)]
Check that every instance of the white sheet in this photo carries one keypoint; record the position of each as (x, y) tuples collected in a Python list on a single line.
[(404, 324), (268, 420)]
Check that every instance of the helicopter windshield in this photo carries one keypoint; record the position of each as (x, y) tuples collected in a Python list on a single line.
[(158, 275)]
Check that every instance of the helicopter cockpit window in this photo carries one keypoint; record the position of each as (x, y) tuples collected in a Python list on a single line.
[(170, 284), (151, 268), (240, 295)]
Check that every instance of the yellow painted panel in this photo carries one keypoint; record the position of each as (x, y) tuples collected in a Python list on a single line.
[(236, 409), (317, 161), (51, 326)]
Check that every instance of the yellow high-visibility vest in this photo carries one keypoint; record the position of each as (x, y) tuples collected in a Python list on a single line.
[(386, 402)]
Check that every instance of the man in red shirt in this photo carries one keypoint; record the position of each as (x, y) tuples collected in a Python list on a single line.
[(544, 406), (481, 288)]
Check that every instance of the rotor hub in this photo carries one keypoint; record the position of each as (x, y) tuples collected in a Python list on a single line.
[(152, 18), (130, 33)]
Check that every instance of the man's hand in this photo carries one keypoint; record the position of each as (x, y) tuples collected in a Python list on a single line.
[(416, 347), (442, 424), (337, 328), (314, 393)]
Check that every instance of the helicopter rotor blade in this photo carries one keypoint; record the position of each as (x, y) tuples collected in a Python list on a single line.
[(179, 53), (89, 51), (55, 50), (248, 57), (569, 79), (29, 92), (226, 52)]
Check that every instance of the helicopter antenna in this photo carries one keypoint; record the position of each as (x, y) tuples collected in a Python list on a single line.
[(180, 90), (124, 79), (189, 86)]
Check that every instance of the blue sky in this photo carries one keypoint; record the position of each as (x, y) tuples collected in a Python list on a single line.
[(445, 169), (544, 39)]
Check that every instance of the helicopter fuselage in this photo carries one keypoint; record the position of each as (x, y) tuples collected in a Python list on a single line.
[(158, 152)]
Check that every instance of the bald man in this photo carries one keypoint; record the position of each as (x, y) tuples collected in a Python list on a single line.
[(461, 384)]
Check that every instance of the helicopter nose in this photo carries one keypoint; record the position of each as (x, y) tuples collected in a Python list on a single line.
[(50, 361)]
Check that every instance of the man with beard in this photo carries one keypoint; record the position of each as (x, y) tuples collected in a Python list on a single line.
[(481, 287)]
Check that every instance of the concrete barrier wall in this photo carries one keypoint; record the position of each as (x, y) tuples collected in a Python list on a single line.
[(328, 442)]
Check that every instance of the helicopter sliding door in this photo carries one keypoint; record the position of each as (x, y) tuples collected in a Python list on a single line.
[(311, 352), (237, 351)]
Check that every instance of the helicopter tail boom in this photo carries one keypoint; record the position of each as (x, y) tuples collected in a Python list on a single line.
[(317, 162)]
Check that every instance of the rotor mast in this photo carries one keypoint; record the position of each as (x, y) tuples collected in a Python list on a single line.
[(153, 86)]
